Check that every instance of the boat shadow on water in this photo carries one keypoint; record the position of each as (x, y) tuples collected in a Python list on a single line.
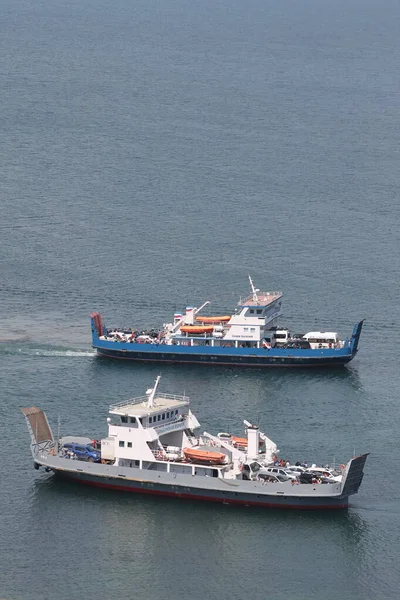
[(67, 495), (348, 375)]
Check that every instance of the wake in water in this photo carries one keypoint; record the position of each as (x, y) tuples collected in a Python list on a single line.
[(14, 347), (42, 352)]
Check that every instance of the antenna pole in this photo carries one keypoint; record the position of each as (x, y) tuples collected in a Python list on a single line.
[(58, 432), (253, 289), (150, 403)]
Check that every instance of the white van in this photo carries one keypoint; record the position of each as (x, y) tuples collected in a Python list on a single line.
[(322, 339)]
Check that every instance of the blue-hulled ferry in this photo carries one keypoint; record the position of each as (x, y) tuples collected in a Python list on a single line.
[(250, 337)]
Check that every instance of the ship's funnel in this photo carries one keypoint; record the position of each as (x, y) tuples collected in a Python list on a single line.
[(253, 440), (189, 316)]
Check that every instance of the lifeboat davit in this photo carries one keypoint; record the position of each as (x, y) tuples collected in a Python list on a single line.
[(197, 329), (204, 456), (222, 319)]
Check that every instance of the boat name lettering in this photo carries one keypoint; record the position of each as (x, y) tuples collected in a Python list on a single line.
[(247, 336), (170, 427)]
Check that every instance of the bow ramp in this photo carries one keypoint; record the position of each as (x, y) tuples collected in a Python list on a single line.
[(355, 337), (353, 475), (39, 429)]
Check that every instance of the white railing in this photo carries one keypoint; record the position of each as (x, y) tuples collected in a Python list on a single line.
[(160, 455), (144, 400)]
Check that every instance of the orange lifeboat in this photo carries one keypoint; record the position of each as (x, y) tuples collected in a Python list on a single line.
[(197, 329), (239, 441), (222, 319), (204, 456)]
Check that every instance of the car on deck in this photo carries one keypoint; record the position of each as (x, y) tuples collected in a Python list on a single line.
[(82, 452)]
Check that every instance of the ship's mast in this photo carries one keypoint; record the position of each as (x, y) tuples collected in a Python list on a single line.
[(254, 290), (152, 392)]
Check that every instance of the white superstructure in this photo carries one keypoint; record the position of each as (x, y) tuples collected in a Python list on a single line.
[(160, 428), (152, 447), (252, 322)]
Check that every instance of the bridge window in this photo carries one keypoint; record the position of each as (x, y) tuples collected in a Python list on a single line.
[(251, 311), (150, 419), (158, 417), (132, 419), (163, 416), (121, 444), (167, 415), (259, 311), (129, 444), (124, 419)]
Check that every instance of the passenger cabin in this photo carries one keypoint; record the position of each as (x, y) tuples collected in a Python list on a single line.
[(254, 318), (150, 433), (250, 324), (148, 428)]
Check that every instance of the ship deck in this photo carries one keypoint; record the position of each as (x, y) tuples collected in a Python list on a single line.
[(139, 406), (263, 299)]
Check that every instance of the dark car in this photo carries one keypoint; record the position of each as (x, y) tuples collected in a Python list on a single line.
[(82, 452)]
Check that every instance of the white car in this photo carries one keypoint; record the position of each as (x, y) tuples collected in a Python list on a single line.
[(296, 470), (279, 471), (324, 472), (271, 477)]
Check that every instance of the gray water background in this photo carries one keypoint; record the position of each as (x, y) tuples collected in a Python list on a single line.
[(152, 154)]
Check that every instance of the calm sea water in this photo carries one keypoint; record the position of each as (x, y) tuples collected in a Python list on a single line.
[(152, 154)]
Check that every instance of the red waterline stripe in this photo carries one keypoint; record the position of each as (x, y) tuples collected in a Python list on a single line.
[(124, 488)]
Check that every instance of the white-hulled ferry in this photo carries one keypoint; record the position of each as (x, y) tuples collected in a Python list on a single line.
[(152, 447), (249, 337)]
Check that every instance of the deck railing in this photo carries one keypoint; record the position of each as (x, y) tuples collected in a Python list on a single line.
[(145, 399)]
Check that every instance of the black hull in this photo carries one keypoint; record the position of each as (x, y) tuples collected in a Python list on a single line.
[(226, 360)]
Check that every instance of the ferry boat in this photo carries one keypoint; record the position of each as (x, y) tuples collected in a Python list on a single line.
[(249, 337), (153, 447)]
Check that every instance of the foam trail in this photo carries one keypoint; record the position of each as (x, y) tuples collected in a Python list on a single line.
[(75, 353), (17, 350)]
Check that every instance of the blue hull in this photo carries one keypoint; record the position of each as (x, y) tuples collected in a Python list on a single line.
[(227, 360), (229, 356), (257, 357)]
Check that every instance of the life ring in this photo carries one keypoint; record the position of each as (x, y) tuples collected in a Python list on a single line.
[(342, 467)]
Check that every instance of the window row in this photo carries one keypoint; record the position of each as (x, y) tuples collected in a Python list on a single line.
[(163, 416), (122, 444), (128, 419)]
